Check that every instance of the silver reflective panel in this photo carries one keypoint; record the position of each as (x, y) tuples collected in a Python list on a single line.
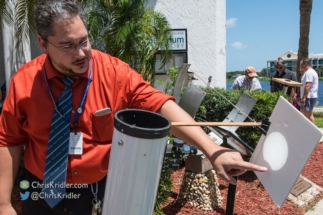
[(180, 81), (192, 99), (245, 104), (233, 140)]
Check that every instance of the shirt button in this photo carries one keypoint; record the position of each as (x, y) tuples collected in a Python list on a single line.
[(73, 111), (75, 173)]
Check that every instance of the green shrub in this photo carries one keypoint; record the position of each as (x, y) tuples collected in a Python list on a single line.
[(318, 121), (164, 187), (318, 114), (217, 105), (261, 111), (165, 181)]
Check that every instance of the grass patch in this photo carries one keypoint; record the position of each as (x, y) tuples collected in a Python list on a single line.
[(319, 122), (318, 119)]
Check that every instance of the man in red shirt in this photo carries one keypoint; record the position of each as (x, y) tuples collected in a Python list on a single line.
[(99, 81)]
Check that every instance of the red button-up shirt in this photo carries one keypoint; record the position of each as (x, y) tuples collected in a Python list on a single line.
[(28, 110)]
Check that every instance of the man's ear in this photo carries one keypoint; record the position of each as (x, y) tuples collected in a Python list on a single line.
[(42, 44)]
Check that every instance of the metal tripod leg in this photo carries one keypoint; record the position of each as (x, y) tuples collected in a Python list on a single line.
[(231, 198), (231, 191)]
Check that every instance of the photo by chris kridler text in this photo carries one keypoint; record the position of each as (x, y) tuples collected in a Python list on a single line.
[(24, 185)]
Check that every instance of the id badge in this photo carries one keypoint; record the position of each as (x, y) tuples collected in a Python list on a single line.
[(76, 144)]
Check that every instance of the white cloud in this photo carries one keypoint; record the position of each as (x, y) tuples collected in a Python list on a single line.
[(239, 45), (231, 22)]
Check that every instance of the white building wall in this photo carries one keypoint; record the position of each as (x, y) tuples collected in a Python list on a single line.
[(206, 35), (11, 56)]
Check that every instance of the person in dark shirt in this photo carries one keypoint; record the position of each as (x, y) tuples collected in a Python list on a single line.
[(283, 72)]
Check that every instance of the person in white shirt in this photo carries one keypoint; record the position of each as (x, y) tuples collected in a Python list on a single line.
[(247, 80), (309, 89)]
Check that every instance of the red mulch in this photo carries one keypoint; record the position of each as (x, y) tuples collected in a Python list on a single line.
[(251, 196)]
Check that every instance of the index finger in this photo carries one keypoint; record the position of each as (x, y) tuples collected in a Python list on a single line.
[(251, 166)]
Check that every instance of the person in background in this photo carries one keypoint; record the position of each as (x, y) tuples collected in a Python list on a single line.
[(51, 108), (283, 72), (209, 80), (309, 89), (248, 80)]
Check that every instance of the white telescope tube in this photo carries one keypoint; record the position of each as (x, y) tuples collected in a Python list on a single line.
[(137, 153)]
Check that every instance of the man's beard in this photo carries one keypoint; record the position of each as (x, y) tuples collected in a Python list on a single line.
[(66, 70)]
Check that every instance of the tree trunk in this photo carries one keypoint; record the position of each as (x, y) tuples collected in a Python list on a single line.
[(305, 8)]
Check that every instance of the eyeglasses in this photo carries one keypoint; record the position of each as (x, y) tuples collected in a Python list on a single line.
[(278, 67), (68, 49)]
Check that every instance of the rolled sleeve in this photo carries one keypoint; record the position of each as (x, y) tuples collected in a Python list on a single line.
[(258, 85), (11, 133)]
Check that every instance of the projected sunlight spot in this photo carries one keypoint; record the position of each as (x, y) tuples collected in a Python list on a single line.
[(275, 150)]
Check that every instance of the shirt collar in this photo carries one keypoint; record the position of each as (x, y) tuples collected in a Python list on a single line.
[(246, 78), (51, 71), (283, 73)]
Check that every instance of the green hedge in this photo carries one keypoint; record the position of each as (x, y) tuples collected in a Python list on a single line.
[(215, 108), (164, 187)]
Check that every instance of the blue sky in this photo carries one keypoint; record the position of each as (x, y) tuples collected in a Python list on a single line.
[(261, 30)]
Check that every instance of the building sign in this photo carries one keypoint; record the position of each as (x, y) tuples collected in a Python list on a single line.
[(178, 47), (179, 40)]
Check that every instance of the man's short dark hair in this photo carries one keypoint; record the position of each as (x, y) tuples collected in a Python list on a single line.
[(305, 61), (49, 11), (280, 61)]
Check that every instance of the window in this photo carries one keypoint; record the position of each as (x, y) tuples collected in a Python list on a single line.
[(177, 60), (288, 63)]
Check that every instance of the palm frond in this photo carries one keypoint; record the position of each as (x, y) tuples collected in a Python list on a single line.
[(126, 29), (24, 20), (6, 11)]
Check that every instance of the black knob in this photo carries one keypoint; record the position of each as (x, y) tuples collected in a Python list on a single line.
[(178, 143), (174, 166)]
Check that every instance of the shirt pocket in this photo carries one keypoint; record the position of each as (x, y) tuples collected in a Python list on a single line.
[(102, 128)]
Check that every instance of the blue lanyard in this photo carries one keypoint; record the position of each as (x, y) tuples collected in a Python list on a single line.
[(79, 110)]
